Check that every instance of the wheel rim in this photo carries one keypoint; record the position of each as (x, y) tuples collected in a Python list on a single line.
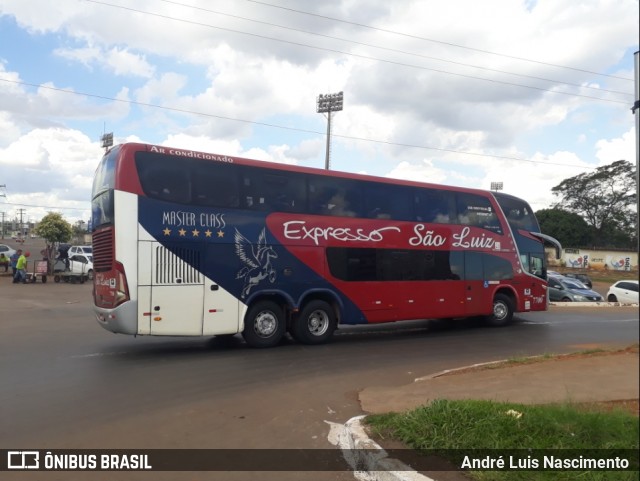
[(500, 310), (318, 322), (265, 324)]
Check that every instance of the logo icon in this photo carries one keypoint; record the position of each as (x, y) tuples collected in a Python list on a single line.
[(23, 460)]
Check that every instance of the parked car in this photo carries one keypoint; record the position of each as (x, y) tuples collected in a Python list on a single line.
[(581, 277), (623, 291), (564, 289), (6, 250), (81, 264), (80, 250)]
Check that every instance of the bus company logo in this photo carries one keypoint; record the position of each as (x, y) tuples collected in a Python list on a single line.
[(300, 230), (256, 259), (23, 460)]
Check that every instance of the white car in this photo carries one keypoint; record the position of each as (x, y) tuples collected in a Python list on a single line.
[(623, 291), (87, 250), (81, 264), (6, 250)]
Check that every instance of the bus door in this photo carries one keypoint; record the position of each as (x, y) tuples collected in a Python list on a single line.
[(477, 301), (177, 291), (221, 310)]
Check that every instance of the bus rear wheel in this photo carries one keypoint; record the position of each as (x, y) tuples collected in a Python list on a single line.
[(502, 311), (264, 324), (315, 323)]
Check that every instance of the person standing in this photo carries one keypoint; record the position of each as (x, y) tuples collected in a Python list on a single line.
[(21, 267), (4, 262), (14, 261)]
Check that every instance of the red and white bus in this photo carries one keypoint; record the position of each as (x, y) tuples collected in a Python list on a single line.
[(193, 244)]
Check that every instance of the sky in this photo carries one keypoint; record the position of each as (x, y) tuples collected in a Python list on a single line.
[(456, 92)]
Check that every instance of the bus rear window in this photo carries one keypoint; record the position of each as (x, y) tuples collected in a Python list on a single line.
[(104, 178)]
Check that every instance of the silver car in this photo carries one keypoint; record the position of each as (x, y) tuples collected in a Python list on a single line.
[(565, 289)]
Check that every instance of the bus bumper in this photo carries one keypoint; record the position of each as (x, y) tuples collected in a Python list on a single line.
[(121, 320)]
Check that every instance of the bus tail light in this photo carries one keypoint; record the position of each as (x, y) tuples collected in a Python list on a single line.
[(122, 289)]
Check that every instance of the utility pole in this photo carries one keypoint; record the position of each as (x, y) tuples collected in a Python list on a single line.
[(21, 211), (326, 104), (3, 186)]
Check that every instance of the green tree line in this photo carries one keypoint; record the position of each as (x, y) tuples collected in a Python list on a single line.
[(596, 209)]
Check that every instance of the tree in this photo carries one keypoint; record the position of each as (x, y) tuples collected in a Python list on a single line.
[(606, 199), (569, 228), (53, 229)]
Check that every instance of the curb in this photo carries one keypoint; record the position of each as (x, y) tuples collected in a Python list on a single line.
[(369, 460), (592, 304)]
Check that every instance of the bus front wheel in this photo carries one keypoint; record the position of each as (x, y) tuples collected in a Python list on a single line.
[(264, 324), (502, 311), (315, 323)]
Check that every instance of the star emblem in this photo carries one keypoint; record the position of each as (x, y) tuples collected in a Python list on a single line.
[(207, 233), (220, 233), (195, 232), (167, 231), (182, 232)]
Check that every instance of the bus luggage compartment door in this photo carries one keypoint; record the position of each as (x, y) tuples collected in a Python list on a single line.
[(177, 291)]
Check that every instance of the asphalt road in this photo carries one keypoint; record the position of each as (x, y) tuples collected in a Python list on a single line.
[(67, 383)]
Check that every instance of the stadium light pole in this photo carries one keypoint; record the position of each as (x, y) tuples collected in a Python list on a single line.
[(326, 104), (107, 141), (496, 186)]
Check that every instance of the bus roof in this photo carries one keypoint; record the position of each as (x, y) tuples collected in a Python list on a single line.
[(131, 147)]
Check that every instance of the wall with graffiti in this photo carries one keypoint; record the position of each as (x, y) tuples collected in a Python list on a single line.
[(594, 259)]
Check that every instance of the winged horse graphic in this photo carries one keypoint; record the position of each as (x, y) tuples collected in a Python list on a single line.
[(257, 261)]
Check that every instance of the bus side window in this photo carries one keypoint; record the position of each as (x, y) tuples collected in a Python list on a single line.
[(335, 197), (388, 202), (477, 211), (434, 206), (216, 185), (267, 190), (169, 185)]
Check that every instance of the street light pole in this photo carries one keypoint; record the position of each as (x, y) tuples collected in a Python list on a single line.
[(329, 103)]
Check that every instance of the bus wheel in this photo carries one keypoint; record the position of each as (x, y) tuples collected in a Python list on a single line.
[(56, 278), (264, 324), (502, 311), (315, 324)]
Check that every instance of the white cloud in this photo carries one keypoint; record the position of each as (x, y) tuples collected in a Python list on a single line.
[(621, 148), (230, 82)]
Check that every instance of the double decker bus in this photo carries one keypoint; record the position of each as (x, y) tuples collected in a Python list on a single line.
[(188, 243)]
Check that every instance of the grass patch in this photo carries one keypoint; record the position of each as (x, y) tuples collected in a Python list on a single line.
[(486, 425)]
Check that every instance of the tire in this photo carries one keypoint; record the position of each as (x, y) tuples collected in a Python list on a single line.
[(56, 278), (315, 324), (264, 324), (90, 275), (566, 299), (612, 298), (44, 279), (502, 311)]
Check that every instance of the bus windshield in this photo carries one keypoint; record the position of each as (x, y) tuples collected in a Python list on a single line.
[(518, 213)]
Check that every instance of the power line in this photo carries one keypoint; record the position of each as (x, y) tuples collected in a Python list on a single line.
[(438, 41), (295, 129), (403, 52), (57, 207), (341, 52)]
